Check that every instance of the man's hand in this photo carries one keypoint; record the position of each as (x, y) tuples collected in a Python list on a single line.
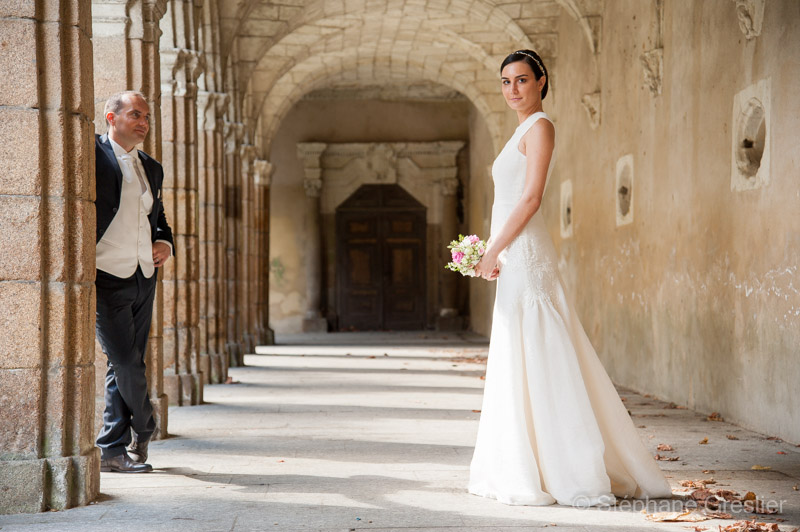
[(161, 252)]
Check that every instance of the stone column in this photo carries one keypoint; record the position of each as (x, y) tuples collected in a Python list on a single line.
[(448, 318), (214, 365), (264, 334), (309, 154), (131, 30), (233, 345), (247, 155), (180, 67), (47, 455)]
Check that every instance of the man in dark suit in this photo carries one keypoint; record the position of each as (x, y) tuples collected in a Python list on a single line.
[(133, 239)]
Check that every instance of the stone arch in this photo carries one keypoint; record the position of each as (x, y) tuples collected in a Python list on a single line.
[(588, 22), (317, 70)]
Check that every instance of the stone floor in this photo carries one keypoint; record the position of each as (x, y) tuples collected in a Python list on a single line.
[(376, 433)]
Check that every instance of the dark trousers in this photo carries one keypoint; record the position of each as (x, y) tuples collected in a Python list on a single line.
[(124, 310)]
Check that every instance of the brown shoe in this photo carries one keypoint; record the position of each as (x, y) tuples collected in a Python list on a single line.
[(123, 464), (138, 451)]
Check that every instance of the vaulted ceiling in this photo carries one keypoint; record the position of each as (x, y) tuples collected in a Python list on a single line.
[(282, 50)]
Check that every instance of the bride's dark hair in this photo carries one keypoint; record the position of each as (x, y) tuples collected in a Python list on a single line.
[(534, 61)]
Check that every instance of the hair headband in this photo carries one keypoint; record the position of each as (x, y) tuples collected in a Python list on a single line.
[(538, 63)]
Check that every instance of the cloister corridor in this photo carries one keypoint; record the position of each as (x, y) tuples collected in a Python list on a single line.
[(376, 434), (313, 159)]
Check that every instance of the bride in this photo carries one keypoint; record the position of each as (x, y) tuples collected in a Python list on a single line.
[(552, 428)]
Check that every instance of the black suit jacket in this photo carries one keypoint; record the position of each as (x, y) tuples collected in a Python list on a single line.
[(108, 183)]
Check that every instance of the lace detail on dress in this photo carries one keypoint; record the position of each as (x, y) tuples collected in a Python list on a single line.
[(540, 274)]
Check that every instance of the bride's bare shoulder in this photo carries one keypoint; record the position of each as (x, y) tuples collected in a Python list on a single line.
[(541, 134)]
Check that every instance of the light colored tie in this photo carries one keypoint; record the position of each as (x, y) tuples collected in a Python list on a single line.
[(132, 163)]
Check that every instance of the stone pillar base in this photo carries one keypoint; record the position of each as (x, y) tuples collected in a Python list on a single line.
[(269, 336), (265, 336), (205, 367), (49, 483), (185, 389), (214, 368), (191, 389), (450, 323), (235, 354), (315, 325), (172, 389), (248, 344), (224, 364), (160, 409)]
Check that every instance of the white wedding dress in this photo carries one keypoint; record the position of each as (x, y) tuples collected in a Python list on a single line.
[(552, 428)]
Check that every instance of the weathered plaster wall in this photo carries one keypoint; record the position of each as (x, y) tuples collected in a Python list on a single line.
[(337, 120), (696, 301)]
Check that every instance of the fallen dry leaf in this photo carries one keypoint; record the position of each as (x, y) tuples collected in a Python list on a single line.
[(704, 441), (795, 487), (477, 411), (780, 452), (731, 437), (483, 377), (664, 447), (757, 507), (702, 483), (760, 468), (715, 417), (750, 526), (774, 438), (691, 516), (708, 471), (470, 360), (667, 458)]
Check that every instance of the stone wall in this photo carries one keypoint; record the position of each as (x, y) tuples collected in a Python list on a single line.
[(692, 295)]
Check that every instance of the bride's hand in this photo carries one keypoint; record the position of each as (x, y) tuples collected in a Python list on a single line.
[(487, 268)]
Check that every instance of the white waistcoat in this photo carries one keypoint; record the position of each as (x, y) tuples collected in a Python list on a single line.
[(127, 242)]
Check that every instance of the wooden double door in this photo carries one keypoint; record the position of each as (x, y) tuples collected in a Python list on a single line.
[(380, 260)]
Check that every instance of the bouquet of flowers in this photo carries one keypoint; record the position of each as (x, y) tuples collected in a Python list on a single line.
[(466, 253)]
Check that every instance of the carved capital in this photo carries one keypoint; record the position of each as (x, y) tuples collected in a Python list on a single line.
[(653, 64), (247, 154), (449, 186), (591, 102), (309, 153), (751, 17), (263, 172), (313, 186)]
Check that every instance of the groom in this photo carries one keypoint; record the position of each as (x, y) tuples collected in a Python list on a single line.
[(133, 239)]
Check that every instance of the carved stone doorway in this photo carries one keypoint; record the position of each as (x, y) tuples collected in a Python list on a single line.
[(380, 260)]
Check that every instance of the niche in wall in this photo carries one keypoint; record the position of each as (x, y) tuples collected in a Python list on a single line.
[(623, 192), (750, 157), (566, 209)]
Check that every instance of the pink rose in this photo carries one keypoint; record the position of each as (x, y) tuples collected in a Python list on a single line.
[(457, 256), (473, 239)]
